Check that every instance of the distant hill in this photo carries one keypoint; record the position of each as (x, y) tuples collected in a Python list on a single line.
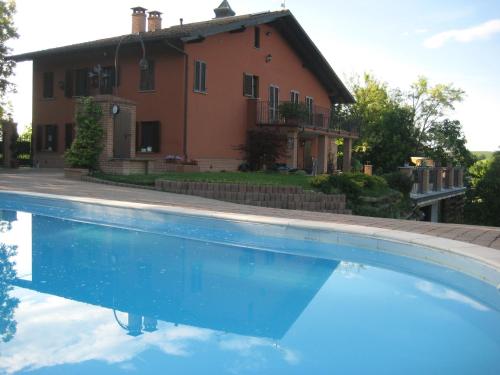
[(483, 154)]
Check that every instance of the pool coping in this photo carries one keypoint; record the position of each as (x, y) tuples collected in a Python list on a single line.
[(485, 255)]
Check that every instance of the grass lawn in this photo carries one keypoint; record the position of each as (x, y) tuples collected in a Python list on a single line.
[(253, 178)]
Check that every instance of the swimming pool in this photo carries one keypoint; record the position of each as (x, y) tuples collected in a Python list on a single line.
[(109, 290)]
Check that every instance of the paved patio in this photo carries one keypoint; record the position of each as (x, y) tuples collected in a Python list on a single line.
[(53, 182)]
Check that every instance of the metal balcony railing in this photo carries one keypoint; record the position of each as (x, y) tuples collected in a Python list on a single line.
[(318, 118)]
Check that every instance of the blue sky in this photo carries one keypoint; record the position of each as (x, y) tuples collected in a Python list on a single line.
[(447, 41)]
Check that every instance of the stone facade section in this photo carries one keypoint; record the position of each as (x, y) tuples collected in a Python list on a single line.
[(285, 197)]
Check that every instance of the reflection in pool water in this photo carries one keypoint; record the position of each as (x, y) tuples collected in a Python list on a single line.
[(99, 299)]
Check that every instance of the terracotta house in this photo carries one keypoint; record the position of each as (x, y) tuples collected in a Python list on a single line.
[(190, 92)]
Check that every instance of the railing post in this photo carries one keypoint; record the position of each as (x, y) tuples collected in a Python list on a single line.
[(450, 177), (460, 177), (438, 184), (346, 165), (423, 180)]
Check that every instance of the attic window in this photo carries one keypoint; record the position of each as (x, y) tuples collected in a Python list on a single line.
[(257, 37)]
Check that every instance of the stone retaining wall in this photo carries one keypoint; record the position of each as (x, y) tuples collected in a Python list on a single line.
[(287, 197)]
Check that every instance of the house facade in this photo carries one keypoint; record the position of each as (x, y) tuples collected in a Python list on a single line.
[(190, 93)]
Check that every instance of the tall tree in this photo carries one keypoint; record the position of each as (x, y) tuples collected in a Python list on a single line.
[(7, 32), (430, 104), (483, 200), (388, 135), (446, 142)]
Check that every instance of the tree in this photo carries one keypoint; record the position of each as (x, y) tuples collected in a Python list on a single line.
[(263, 148), (485, 200), (446, 143), (88, 143), (388, 135), (429, 105), (7, 32), (26, 134)]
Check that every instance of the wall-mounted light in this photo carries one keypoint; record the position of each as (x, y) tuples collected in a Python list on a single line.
[(268, 33), (269, 58)]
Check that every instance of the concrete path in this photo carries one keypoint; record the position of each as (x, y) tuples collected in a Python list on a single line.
[(53, 182)]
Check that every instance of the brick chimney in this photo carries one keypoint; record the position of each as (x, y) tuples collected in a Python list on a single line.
[(138, 20), (154, 21)]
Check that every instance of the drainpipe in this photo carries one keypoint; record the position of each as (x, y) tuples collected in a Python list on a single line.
[(186, 96)]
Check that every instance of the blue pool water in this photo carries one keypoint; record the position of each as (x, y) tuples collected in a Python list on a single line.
[(87, 289)]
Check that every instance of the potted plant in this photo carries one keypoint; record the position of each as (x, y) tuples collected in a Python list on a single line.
[(293, 113)]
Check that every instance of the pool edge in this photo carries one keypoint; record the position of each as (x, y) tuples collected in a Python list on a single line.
[(485, 255)]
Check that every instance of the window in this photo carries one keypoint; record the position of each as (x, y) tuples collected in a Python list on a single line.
[(46, 138), (200, 76), (107, 80), (294, 97), (257, 37), (148, 136), (250, 86), (48, 85), (68, 84), (147, 82), (69, 135), (82, 82), (310, 108), (274, 101)]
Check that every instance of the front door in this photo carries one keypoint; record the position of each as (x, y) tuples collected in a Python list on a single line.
[(308, 161), (122, 134)]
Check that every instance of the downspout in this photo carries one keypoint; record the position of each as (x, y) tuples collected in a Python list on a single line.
[(186, 97)]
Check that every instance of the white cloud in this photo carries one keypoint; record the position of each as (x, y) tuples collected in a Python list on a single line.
[(470, 34), (448, 294)]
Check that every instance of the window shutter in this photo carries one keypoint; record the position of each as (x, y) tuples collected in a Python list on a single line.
[(247, 85), (39, 138), (203, 77), (197, 76), (255, 87), (68, 84), (55, 138)]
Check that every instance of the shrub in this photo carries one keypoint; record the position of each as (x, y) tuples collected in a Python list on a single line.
[(367, 182), (88, 144), (263, 148), (322, 183), (400, 182), (346, 184)]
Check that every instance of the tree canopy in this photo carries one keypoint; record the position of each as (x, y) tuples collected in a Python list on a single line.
[(397, 124), (8, 32)]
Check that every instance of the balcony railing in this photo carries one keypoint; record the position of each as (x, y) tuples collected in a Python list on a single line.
[(319, 118), (434, 179)]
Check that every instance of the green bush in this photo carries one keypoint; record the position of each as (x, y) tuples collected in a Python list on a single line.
[(322, 183), (293, 111), (400, 182), (367, 182), (88, 144), (263, 148), (346, 184)]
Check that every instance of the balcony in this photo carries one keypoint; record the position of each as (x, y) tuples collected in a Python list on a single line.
[(320, 120)]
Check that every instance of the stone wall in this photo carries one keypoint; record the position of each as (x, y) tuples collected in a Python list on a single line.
[(294, 198)]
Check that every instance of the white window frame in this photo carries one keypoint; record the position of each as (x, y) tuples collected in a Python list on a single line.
[(274, 105), (198, 79), (253, 94), (294, 96)]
